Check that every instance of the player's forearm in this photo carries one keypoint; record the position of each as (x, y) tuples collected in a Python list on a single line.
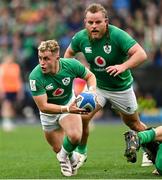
[(91, 82), (135, 60), (49, 108), (53, 108)]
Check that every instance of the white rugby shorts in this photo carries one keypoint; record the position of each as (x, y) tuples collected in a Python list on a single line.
[(50, 122), (123, 101)]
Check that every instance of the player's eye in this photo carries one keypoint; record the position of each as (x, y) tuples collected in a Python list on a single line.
[(90, 22), (46, 58), (98, 22)]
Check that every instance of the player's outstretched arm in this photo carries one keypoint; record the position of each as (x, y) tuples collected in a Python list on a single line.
[(45, 107)]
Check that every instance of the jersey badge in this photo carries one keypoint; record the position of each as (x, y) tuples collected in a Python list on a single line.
[(100, 61), (88, 50), (107, 49), (58, 92), (49, 87), (129, 109), (33, 85), (66, 81)]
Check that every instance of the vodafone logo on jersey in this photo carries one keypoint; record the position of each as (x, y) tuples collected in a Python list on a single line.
[(58, 92), (100, 61)]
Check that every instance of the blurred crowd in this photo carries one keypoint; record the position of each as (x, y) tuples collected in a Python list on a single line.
[(24, 23)]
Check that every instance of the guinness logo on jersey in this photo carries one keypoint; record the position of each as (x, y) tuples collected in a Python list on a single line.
[(107, 49), (66, 81), (100, 61), (58, 92)]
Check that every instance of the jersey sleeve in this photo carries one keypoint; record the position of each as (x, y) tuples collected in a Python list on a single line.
[(124, 40), (36, 86), (79, 69)]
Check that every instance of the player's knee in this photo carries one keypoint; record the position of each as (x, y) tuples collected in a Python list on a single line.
[(138, 127), (135, 125), (75, 137), (131, 125)]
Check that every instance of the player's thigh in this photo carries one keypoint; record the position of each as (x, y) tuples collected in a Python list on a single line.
[(124, 101), (71, 124), (52, 130)]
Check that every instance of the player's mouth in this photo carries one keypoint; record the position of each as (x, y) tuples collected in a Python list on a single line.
[(43, 69), (94, 32)]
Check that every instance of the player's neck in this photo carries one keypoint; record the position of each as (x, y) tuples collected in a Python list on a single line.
[(56, 68)]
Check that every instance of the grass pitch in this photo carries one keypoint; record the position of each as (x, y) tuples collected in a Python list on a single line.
[(24, 154)]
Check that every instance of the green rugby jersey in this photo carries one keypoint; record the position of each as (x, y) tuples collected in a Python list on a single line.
[(111, 49), (58, 87)]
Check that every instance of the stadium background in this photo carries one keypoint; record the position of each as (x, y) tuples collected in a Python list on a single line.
[(24, 23)]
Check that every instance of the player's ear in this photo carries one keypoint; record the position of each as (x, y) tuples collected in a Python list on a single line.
[(106, 20)]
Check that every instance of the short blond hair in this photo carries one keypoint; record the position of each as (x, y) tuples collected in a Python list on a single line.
[(49, 45), (95, 7)]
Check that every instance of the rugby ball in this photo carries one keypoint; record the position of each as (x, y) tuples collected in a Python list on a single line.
[(86, 100)]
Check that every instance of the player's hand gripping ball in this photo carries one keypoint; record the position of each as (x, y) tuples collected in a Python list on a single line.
[(86, 100)]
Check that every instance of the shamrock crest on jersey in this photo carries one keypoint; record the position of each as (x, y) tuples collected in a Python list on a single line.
[(66, 81), (107, 49)]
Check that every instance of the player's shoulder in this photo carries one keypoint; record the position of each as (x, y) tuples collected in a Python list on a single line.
[(81, 34), (114, 30), (36, 73), (69, 61), (117, 33)]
